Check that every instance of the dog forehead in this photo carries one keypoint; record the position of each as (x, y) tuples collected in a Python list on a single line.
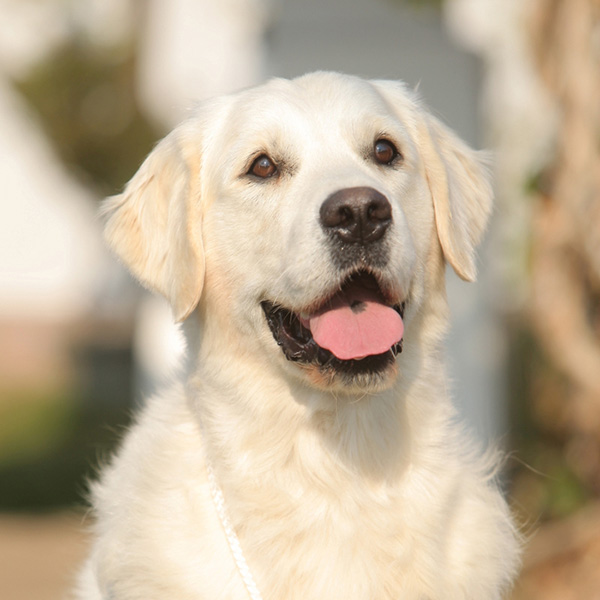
[(313, 106)]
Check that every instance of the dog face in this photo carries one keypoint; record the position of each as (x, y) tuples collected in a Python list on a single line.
[(309, 219)]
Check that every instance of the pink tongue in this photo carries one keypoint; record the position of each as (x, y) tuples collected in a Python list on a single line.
[(355, 324)]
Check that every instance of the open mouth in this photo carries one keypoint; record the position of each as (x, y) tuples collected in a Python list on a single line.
[(353, 331)]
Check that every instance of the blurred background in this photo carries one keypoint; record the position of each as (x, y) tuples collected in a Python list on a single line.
[(86, 89)]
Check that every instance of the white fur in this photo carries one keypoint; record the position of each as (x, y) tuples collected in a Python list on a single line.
[(368, 491)]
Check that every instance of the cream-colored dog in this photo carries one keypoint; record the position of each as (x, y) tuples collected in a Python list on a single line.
[(300, 231)]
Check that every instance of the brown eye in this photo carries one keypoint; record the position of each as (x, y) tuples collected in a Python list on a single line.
[(385, 152), (263, 167)]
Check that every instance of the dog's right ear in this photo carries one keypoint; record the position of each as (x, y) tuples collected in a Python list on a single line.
[(460, 186), (154, 225)]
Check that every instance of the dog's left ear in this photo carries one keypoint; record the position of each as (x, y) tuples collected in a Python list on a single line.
[(154, 225), (460, 186)]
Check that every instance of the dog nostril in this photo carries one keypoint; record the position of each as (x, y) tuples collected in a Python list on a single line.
[(358, 215), (346, 216), (379, 210)]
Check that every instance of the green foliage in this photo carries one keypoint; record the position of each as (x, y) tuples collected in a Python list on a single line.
[(49, 467), (544, 483), (50, 446), (85, 99), (32, 426), (52, 442)]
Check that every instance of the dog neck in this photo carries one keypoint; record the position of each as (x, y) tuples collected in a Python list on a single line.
[(273, 424)]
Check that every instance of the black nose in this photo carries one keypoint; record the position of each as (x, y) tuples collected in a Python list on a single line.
[(357, 215)]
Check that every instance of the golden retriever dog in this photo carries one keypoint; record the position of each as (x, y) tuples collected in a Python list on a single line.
[(300, 230)]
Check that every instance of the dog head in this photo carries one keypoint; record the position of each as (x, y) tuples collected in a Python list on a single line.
[(309, 219)]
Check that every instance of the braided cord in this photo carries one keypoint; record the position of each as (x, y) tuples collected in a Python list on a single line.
[(232, 538)]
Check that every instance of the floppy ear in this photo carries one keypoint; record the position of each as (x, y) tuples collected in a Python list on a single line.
[(153, 226), (459, 182)]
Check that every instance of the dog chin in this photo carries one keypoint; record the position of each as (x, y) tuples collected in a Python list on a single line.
[(351, 382)]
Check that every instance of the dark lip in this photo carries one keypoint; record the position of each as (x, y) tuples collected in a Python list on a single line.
[(297, 344)]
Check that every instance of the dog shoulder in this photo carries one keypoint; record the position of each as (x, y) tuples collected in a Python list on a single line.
[(152, 507)]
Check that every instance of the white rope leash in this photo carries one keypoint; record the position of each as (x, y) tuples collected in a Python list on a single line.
[(232, 538)]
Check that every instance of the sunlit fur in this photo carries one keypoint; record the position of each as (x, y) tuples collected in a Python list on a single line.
[(338, 490)]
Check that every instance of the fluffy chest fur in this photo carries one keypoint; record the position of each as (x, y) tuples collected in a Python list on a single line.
[(311, 524)]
